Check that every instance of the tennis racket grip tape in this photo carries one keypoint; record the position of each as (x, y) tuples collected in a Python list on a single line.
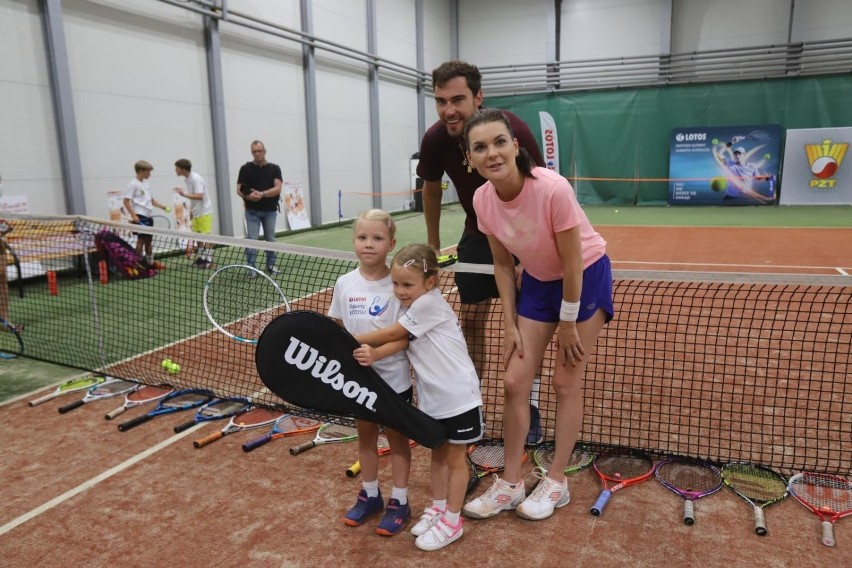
[(208, 439), (45, 398), (72, 406), (185, 426), (689, 512), (133, 423), (759, 522), (599, 505), (827, 534), (114, 413), (256, 443), (354, 469), (296, 450)]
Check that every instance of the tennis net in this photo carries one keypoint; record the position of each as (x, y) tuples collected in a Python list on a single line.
[(719, 367)]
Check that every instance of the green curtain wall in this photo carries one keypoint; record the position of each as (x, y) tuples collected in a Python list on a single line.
[(625, 133)]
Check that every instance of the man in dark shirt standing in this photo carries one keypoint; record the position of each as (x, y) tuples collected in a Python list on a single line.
[(259, 185), (458, 95)]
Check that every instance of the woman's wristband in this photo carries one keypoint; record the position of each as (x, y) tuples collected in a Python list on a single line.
[(569, 311)]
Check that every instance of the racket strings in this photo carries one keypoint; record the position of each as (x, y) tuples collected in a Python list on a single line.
[(243, 305), (623, 467), (336, 431), (222, 409), (825, 492), (689, 477), (757, 487), (256, 417), (488, 457), (292, 423), (148, 393)]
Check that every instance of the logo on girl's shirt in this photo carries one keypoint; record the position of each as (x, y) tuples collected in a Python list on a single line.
[(376, 309)]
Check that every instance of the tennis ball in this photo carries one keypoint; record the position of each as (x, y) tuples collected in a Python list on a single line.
[(168, 209), (718, 184), (165, 363), (174, 368)]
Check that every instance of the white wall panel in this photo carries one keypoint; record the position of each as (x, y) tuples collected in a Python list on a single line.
[(698, 25), (344, 139), (29, 150), (264, 100), (437, 33), (140, 92), (595, 29), (827, 19), (502, 32)]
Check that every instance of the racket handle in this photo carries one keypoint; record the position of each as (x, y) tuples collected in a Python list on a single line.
[(827, 534), (759, 522), (295, 450), (599, 505), (45, 398), (472, 483), (254, 444), (207, 439), (133, 423), (72, 406), (114, 413), (354, 469), (689, 512), (185, 426)]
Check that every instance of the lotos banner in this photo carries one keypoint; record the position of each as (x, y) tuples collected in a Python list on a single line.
[(724, 165), (306, 359), (549, 141)]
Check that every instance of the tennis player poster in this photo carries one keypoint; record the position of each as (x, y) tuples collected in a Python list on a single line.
[(294, 206), (724, 165), (814, 170)]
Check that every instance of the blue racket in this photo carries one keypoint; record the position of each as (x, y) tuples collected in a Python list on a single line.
[(216, 409), (175, 402)]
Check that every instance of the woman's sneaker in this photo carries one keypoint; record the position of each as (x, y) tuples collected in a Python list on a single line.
[(547, 496), (440, 535), (499, 497), (428, 519)]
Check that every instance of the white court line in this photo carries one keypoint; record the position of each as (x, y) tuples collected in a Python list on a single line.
[(95, 480), (764, 266), (841, 271)]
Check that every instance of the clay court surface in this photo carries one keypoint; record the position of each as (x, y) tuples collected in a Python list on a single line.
[(77, 492)]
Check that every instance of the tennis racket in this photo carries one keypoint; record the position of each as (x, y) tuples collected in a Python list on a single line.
[(328, 433), (11, 343), (829, 497), (216, 409), (138, 397), (175, 402), (241, 300), (382, 449), (579, 460), (161, 222), (691, 480), (254, 417), (617, 471), (287, 425), (761, 135), (756, 485), (485, 460), (447, 259), (106, 389), (69, 386)]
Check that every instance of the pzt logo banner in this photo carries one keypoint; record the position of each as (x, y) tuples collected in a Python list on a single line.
[(814, 167), (549, 141), (824, 160)]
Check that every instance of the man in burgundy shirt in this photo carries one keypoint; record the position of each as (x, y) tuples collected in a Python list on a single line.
[(458, 94)]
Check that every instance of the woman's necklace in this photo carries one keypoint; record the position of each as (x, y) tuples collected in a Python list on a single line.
[(464, 158)]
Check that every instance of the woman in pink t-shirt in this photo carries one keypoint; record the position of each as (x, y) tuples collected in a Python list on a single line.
[(566, 288)]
